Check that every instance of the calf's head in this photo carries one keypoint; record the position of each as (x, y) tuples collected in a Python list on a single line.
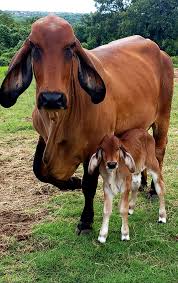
[(52, 53), (111, 153)]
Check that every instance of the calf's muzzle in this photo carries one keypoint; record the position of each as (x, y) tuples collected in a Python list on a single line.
[(111, 165), (52, 100)]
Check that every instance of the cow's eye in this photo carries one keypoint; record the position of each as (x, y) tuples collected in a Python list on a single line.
[(69, 50), (68, 53), (36, 51)]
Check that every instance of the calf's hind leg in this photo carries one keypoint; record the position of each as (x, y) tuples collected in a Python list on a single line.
[(136, 181), (159, 186), (160, 135)]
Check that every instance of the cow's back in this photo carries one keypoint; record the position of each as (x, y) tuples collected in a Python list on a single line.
[(132, 68)]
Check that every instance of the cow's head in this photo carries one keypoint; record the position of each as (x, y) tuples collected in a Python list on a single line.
[(111, 153), (53, 54)]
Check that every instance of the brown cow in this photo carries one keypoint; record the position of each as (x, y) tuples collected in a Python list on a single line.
[(71, 114)]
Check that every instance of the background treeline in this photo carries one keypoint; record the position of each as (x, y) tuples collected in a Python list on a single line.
[(113, 19)]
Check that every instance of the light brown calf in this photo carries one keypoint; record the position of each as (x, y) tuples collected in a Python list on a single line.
[(121, 161)]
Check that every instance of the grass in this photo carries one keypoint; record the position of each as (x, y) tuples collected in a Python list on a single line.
[(175, 61), (56, 254), (18, 118)]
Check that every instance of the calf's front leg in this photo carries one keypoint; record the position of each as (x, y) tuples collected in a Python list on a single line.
[(124, 209), (107, 210)]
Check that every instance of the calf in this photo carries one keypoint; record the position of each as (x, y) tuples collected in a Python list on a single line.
[(121, 161)]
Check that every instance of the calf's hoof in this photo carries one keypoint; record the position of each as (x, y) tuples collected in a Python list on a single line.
[(102, 239), (125, 237), (162, 220), (83, 228), (131, 211)]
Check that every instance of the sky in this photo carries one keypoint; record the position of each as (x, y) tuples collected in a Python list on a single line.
[(75, 6)]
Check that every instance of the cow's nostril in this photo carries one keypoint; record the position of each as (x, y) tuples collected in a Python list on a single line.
[(52, 100), (111, 164)]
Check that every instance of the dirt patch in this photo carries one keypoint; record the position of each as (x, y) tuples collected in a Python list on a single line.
[(22, 196)]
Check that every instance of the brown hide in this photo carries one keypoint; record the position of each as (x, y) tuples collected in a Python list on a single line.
[(131, 71)]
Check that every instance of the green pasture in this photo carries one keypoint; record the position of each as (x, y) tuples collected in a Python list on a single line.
[(58, 255)]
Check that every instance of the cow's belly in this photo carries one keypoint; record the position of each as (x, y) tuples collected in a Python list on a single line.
[(135, 120)]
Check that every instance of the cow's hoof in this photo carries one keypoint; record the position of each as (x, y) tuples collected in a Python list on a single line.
[(83, 228)]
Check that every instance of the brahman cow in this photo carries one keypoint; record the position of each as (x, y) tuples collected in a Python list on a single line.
[(121, 161), (81, 95)]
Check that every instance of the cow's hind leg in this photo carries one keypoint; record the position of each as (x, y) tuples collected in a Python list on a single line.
[(42, 174), (89, 185), (160, 130), (161, 125)]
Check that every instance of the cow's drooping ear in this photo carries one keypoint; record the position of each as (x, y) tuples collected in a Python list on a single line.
[(128, 159), (95, 161), (88, 76), (18, 78)]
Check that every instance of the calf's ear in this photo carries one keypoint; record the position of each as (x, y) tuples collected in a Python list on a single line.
[(128, 159), (95, 161), (18, 78), (88, 76)]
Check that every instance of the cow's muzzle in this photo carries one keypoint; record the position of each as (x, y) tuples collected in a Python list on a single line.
[(52, 100)]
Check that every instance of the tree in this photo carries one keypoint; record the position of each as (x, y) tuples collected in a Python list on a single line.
[(110, 6), (155, 19)]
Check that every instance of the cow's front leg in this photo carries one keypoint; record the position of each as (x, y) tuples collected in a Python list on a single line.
[(89, 185), (41, 171)]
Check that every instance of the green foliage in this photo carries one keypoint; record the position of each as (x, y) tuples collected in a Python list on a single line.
[(109, 6), (154, 19)]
